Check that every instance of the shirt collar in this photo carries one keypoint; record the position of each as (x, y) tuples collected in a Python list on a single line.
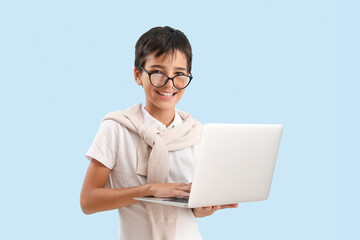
[(151, 121)]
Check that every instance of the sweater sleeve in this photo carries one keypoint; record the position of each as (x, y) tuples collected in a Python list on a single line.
[(104, 147)]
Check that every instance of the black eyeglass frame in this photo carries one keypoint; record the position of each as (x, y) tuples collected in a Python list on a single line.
[(168, 78)]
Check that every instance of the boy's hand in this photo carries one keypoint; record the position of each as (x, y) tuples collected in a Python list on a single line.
[(207, 211), (169, 189)]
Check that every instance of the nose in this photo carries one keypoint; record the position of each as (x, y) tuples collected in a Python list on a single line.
[(169, 84)]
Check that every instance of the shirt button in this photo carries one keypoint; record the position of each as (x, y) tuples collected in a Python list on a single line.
[(162, 128)]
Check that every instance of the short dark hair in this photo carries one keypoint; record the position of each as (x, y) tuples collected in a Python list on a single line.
[(162, 40)]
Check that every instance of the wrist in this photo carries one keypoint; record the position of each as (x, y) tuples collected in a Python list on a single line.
[(147, 190)]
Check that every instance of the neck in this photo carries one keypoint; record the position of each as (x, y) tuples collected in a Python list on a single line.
[(164, 116)]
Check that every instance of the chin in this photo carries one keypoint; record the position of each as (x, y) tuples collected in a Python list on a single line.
[(166, 106)]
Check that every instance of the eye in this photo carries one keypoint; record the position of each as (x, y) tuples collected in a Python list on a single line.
[(180, 73), (156, 71)]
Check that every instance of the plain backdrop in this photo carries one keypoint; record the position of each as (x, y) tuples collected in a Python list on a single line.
[(65, 64)]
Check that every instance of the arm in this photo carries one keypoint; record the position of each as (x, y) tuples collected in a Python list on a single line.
[(95, 197)]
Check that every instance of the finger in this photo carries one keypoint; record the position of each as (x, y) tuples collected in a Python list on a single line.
[(210, 209), (214, 208), (185, 184), (235, 205), (229, 206), (182, 193), (206, 209), (186, 189)]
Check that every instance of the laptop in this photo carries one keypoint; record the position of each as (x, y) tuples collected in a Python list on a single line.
[(235, 164)]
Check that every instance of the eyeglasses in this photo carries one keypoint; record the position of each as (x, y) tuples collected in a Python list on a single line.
[(159, 79)]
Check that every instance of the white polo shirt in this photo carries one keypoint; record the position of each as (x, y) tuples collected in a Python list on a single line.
[(115, 147)]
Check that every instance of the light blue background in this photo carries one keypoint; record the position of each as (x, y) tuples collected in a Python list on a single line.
[(65, 64)]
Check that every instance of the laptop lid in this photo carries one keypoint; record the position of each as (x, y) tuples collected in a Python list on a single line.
[(235, 164)]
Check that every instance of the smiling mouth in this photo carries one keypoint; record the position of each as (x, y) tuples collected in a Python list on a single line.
[(165, 94)]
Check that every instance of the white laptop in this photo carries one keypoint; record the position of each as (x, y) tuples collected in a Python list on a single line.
[(235, 164)]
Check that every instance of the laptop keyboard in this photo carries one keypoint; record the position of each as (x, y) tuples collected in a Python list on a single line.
[(180, 200)]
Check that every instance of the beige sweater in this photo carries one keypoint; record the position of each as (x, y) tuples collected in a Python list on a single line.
[(152, 157)]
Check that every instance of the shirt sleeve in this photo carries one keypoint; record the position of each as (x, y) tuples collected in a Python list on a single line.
[(104, 147)]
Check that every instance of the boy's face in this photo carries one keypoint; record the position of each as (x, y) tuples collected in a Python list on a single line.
[(166, 97)]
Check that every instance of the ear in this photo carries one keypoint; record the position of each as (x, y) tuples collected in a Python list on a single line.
[(137, 76)]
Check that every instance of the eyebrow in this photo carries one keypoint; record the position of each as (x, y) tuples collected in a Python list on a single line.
[(162, 67)]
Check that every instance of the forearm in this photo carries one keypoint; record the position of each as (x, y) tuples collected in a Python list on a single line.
[(103, 199), (95, 197)]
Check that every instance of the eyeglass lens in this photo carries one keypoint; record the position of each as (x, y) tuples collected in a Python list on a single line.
[(158, 80)]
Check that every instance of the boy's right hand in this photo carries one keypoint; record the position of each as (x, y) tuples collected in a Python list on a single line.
[(169, 189)]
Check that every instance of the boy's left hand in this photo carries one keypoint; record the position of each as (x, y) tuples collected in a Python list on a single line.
[(207, 211)]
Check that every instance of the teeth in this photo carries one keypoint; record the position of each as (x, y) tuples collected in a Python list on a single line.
[(165, 94)]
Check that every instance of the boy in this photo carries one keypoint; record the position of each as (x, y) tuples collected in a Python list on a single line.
[(149, 151)]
